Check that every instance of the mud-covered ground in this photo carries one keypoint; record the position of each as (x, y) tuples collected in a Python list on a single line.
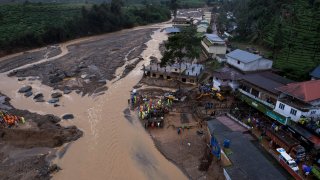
[(26, 149), (28, 57), (188, 150), (87, 65)]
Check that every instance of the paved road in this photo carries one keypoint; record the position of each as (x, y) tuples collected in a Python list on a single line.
[(248, 161)]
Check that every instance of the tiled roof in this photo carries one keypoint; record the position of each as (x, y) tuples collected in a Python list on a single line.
[(306, 91)]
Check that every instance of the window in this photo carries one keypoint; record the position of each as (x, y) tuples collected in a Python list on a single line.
[(168, 77), (281, 106), (293, 112), (238, 62)]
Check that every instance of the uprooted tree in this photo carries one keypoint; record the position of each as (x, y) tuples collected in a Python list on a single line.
[(181, 46)]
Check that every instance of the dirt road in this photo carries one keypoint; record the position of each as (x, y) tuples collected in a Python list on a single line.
[(112, 147)]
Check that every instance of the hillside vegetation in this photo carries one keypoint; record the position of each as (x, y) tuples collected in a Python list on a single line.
[(35, 24), (289, 28)]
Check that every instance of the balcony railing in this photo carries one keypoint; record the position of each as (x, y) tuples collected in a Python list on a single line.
[(257, 99)]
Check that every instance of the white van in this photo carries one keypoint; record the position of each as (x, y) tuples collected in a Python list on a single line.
[(288, 159)]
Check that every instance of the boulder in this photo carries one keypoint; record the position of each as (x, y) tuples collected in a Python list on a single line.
[(32, 79), (25, 89), (38, 96), (69, 73), (82, 65), (67, 116), (84, 76), (53, 100), (39, 100), (28, 94), (21, 79), (67, 91), (102, 81), (56, 95), (55, 79)]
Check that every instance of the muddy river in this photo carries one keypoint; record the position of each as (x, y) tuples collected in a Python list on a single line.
[(112, 146)]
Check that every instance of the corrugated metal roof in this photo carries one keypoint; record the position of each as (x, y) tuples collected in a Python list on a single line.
[(213, 38), (243, 56), (316, 72), (266, 80), (172, 30)]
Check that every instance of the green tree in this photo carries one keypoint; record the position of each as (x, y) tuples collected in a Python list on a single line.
[(182, 46), (116, 6), (209, 30), (174, 7)]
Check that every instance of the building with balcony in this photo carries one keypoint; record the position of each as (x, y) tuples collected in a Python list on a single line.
[(184, 72), (246, 61), (212, 45), (300, 99), (181, 22), (259, 91)]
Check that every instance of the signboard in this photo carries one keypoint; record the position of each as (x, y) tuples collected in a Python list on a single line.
[(215, 148), (279, 118), (264, 109)]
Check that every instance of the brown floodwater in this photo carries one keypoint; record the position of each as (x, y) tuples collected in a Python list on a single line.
[(112, 146)]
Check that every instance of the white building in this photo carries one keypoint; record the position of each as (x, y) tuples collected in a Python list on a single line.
[(246, 61), (202, 28), (213, 45), (207, 16), (225, 78), (299, 99)]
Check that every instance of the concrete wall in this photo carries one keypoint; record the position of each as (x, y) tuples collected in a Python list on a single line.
[(215, 49), (260, 64), (217, 83), (201, 29), (314, 112), (286, 111), (220, 60)]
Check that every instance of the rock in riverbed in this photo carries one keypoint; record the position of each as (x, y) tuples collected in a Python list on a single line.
[(67, 91), (25, 89), (21, 79), (67, 116), (28, 94), (56, 95), (38, 97), (53, 100)]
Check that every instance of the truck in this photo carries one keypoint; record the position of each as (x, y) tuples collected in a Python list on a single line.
[(288, 143)]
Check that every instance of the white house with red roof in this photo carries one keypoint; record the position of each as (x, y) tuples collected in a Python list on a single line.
[(299, 99)]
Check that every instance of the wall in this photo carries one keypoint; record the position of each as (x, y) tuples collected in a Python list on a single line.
[(252, 66), (286, 111), (234, 63), (218, 49), (220, 60), (201, 29)]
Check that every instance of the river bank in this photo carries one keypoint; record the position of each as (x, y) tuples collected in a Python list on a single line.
[(26, 148), (111, 147)]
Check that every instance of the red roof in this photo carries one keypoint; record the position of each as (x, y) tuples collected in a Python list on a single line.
[(306, 91)]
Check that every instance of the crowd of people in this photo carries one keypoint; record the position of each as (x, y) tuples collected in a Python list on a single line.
[(151, 110), (9, 120)]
